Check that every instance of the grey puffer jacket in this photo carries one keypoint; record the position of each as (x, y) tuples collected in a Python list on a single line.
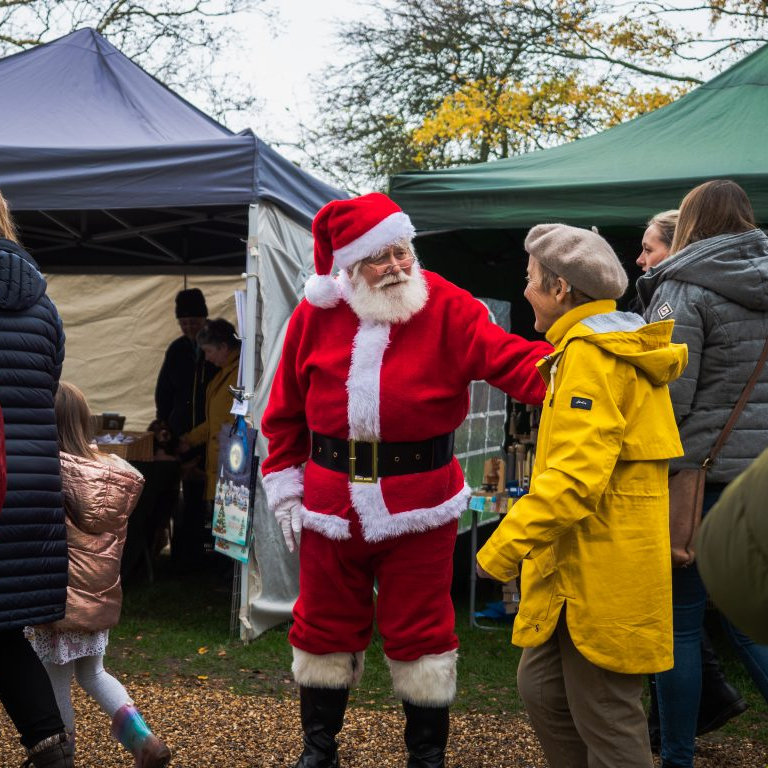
[(716, 290)]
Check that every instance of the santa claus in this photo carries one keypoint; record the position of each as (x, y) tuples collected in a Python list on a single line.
[(372, 383)]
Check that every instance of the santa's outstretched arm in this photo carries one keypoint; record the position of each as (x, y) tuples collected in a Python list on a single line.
[(504, 360)]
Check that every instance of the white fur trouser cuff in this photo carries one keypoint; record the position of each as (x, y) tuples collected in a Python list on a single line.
[(429, 681), (327, 670)]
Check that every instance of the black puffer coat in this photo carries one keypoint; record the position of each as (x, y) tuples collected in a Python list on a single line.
[(33, 544)]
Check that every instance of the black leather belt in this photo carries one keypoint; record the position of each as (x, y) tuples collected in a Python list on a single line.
[(366, 462)]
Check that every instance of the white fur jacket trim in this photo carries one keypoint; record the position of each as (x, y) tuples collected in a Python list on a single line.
[(378, 523), (330, 526), (285, 484)]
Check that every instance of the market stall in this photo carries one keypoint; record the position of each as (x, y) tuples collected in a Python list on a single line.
[(118, 183), (477, 215)]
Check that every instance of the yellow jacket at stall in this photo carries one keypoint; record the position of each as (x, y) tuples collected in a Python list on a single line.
[(593, 532), (218, 403)]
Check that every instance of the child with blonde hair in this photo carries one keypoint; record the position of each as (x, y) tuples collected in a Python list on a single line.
[(100, 492)]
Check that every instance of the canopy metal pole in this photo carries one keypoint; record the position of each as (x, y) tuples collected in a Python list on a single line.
[(252, 364), (251, 369)]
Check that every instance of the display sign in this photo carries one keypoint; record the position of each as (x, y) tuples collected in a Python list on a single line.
[(235, 489)]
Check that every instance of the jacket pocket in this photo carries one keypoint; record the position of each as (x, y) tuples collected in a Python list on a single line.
[(545, 562), (537, 585)]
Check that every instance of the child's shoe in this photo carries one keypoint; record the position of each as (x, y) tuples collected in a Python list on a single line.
[(129, 728)]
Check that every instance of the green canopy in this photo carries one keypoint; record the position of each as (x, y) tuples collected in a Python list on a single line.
[(616, 178)]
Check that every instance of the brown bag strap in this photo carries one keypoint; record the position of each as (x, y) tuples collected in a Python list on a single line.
[(737, 409)]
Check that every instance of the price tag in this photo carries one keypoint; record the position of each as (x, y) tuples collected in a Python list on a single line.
[(239, 407)]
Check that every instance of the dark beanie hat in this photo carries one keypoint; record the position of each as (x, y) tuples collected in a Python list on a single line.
[(191, 303)]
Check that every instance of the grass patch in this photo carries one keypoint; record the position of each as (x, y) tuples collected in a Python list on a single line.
[(178, 628)]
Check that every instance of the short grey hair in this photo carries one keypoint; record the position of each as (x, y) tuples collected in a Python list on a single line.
[(549, 280)]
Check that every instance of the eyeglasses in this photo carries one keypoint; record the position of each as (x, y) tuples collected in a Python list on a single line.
[(384, 266)]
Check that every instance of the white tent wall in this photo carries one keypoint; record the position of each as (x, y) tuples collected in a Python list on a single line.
[(118, 327), (281, 258)]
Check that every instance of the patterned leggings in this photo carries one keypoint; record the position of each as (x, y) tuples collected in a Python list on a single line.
[(89, 672)]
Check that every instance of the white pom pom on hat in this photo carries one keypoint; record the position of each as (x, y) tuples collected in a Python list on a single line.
[(322, 291), (346, 231)]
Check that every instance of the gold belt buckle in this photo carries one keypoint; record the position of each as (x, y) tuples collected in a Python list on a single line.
[(374, 476)]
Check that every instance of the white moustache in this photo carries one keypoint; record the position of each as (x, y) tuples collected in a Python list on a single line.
[(392, 279), (403, 296)]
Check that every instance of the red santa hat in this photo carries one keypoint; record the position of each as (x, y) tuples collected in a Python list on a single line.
[(347, 231)]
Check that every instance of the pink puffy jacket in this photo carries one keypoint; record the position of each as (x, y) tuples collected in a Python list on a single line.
[(100, 494)]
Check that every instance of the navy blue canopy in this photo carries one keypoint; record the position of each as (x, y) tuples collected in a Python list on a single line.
[(84, 129)]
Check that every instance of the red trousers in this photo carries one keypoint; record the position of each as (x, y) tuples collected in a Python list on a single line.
[(414, 611)]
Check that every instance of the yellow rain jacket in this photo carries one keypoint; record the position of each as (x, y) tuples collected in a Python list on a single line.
[(593, 532), (218, 404)]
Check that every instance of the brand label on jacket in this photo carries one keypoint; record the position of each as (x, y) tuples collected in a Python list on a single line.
[(664, 310), (581, 402)]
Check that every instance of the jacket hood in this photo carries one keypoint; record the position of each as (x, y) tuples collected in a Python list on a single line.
[(735, 266), (99, 491), (21, 284), (646, 346)]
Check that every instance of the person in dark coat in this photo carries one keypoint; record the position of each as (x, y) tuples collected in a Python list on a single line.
[(180, 403), (184, 376), (33, 543)]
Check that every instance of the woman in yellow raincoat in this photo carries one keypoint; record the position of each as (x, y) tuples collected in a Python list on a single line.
[(592, 534), (221, 347)]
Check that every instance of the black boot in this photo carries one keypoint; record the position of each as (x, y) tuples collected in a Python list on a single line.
[(720, 701), (322, 715), (426, 735), (54, 752)]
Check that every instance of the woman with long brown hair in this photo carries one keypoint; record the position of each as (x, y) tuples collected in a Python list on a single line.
[(100, 492), (33, 547), (714, 285)]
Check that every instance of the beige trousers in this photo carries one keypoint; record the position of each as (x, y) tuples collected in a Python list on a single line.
[(584, 716)]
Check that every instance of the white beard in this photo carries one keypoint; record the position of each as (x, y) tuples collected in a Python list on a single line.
[(394, 299)]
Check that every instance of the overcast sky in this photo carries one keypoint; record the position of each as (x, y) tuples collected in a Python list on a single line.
[(279, 62)]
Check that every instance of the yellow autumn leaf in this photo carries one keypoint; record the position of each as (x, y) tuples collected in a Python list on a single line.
[(203, 650), (494, 117)]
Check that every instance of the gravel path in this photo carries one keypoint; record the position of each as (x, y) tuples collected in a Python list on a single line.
[(206, 726)]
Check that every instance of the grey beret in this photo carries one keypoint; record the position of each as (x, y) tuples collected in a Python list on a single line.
[(579, 256)]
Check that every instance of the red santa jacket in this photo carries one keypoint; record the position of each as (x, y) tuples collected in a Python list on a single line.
[(348, 378)]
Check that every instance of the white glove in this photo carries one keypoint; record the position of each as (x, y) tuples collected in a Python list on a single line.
[(288, 516)]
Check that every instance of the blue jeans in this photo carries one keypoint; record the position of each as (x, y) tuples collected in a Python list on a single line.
[(679, 689)]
